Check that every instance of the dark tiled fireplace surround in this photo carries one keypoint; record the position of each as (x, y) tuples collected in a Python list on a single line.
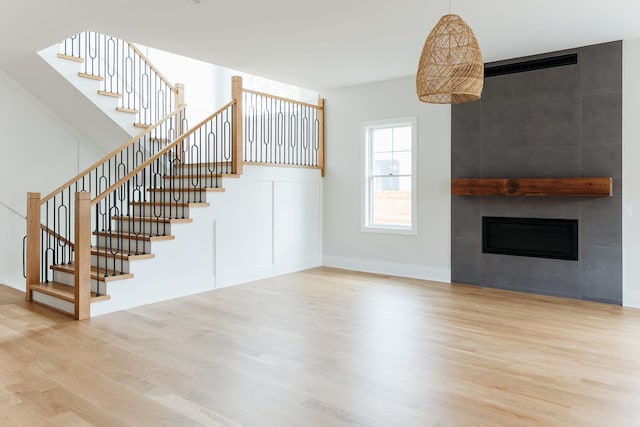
[(562, 121)]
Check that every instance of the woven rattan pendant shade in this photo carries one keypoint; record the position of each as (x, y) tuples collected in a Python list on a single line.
[(451, 70)]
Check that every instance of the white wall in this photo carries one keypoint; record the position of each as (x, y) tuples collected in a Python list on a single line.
[(426, 255), (631, 172), (40, 152), (266, 223)]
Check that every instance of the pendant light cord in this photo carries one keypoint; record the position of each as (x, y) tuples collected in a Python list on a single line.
[(449, 7)]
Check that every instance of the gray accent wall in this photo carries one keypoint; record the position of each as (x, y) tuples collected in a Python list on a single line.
[(556, 122)]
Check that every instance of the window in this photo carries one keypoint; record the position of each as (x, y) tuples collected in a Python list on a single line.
[(389, 190)]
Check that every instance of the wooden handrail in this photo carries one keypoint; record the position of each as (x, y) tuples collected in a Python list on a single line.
[(57, 236), (304, 104), (160, 153), (108, 156), (155, 70)]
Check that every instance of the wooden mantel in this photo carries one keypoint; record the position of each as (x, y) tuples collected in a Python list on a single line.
[(575, 186)]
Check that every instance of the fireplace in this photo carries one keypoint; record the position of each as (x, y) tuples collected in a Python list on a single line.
[(533, 237)]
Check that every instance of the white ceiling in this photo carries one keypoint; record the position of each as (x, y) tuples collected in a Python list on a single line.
[(316, 44)]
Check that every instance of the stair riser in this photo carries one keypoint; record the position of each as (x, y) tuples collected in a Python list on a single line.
[(164, 211), (111, 263), (155, 228), (68, 279), (199, 182), (179, 196), (53, 302), (201, 169), (133, 246)]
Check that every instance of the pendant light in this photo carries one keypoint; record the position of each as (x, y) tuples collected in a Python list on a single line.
[(451, 70)]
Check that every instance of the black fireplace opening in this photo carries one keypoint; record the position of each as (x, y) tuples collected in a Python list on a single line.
[(533, 237)]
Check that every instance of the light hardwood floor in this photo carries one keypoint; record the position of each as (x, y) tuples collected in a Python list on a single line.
[(324, 348)]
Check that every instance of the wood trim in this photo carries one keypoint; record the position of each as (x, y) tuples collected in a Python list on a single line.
[(129, 236), (321, 136), (173, 204), (108, 156), (155, 70), (281, 165), (187, 190), (57, 236), (64, 292), (574, 186), (70, 58), (90, 76), (111, 94), (293, 101), (159, 154), (82, 263), (237, 155), (152, 219), (203, 176), (126, 110), (33, 243), (179, 100)]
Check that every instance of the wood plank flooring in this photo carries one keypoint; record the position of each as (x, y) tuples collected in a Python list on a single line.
[(324, 347)]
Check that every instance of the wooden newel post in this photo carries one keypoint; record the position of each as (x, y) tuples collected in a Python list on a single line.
[(33, 243), (238, 121), (82, 250), (179, 101), (321, 135)]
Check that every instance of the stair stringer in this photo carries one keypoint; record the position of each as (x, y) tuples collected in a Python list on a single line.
[(267, 222), (89, 88), (48, 86)]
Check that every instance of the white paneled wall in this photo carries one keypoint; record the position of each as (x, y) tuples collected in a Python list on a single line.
[(268, 222)]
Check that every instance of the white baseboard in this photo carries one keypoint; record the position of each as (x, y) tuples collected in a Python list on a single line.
[(300, 264), (230, 278), (389, 268), (12, 285), (631, 298)]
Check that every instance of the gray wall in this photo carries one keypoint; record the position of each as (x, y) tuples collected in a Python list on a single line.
[(556, 122)]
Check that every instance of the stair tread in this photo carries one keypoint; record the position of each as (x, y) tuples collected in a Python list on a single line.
[(204, 164), (90, 76), (126, 110), (70, 58), (120, 254), (64, 292), (174, 204), (215, 175), (96, 273), (142, 125), (153, 219), (134, 236), (187, 189), (111, 94)]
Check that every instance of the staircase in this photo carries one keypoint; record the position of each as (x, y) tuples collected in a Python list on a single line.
[(92, 231)]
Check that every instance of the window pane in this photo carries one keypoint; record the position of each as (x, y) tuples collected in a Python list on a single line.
[(402, 138), (403, 158), (391, 201), (382, 140), (384, 164)]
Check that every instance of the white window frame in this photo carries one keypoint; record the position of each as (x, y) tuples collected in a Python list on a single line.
[(365, 215)]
